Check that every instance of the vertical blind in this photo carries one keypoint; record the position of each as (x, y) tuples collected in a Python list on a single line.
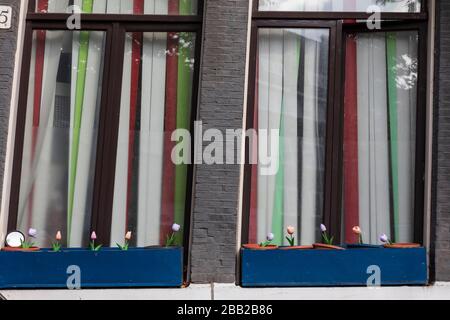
[(61, 131), (292, 82), (379, 135), (116, 6), (150, 190)]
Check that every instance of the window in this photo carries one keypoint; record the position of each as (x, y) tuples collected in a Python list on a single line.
[(348, 105), (340, 5), (131, 7), (292, 77), (97, 109)]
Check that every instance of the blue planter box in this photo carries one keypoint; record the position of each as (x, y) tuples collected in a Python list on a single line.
[(315, 268), (108, 268)]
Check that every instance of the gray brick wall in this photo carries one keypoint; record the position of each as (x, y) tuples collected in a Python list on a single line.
[(440, 244), (8, 41), (216, 193)]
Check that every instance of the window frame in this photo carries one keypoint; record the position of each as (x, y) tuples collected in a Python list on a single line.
[(115, 27), (345, 23)]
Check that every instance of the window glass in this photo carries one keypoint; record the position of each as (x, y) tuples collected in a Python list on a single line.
[(290, 116), (339, 5), (150, 190), (60, 136), (379, 135), (161, 7)]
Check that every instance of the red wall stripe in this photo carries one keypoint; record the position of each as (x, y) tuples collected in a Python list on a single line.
[(138, 8), (253, 224), (42, 6), (351, 186), (168, 183)]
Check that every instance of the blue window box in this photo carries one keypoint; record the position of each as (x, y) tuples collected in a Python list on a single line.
[(108, 268), (319, 268)]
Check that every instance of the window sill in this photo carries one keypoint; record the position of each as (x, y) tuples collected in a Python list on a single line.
[(108, 268)]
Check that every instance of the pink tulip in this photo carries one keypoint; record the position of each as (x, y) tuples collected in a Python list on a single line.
[(291, 230), (323, 228), (128, 235), (356, 230), (93, 236), (58, 236)]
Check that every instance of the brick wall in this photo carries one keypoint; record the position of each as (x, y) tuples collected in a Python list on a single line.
[(440, 242), (8, 41), (216, 193)]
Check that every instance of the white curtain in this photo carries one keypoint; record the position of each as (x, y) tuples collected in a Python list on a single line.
[(151, 136), (61, 131), (290, 71), (386, 135), (338, 5)]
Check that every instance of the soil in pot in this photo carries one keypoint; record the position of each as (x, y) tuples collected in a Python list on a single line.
[(297, 248), (255, 246), (322, 246), (32, 249), (402, 245)]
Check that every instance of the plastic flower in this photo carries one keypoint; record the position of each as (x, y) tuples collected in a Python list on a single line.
[(325, 237), (290, 238), (385, 239), (32, 232), (27, 244), (290, 230), (57, 245), (357, 230), (269, 238), (92, 244), (127, 242), (170, 239)]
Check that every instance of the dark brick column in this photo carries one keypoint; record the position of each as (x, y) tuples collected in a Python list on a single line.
[(440, 241), (216, 190), (8, 42)]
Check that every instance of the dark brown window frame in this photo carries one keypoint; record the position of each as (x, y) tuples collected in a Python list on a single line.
[(115, 27), (340, 24)]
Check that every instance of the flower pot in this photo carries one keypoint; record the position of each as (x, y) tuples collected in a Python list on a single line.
[(254, 246), (297, 248), (322, 246), (107, 268), (330, 268), (32, 249), (402, 245)]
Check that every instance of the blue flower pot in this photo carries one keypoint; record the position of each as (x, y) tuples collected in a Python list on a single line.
[(107, 268), (318, 268)]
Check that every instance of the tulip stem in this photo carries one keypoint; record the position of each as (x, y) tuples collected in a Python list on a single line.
[(291, 240)]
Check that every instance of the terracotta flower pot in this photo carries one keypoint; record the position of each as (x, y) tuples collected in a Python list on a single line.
[(254, 246), (32, 249), (297, 248), (402, 245), (322, 246)]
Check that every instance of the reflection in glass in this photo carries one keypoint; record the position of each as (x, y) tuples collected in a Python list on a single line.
[(340, 5), (161, 7), (61, 135), (291, 98), (150, 190), (380, 135)]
